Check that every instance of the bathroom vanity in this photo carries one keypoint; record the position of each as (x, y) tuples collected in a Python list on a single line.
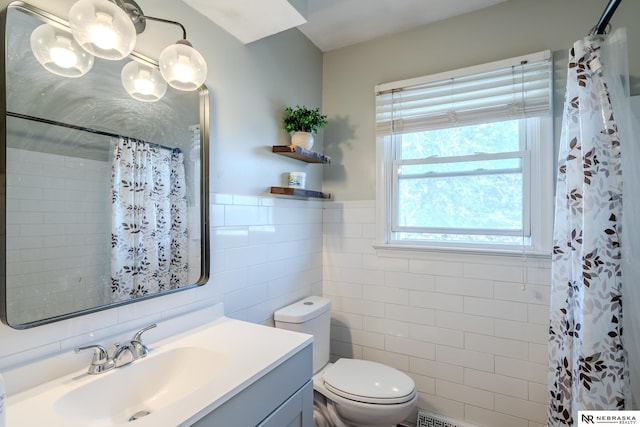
[(281, 398), (226, 372)]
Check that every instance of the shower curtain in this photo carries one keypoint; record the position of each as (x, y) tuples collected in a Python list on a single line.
[(149, 228), (595, 229)]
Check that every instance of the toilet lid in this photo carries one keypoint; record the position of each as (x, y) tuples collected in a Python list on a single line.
[(368, 382)]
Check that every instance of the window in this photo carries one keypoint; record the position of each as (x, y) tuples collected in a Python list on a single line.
[(465, 158)]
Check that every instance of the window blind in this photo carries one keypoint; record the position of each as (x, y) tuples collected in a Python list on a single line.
[(503, 90)]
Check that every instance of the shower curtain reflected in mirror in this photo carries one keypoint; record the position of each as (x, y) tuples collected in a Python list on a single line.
[(149, 238), (592, 345)]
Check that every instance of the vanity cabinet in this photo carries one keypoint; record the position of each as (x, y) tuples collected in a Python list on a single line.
[(302, 154), (295, 411), (283, 397)]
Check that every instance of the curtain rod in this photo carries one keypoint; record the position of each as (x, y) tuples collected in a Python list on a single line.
[(601, 26), (82, 128)]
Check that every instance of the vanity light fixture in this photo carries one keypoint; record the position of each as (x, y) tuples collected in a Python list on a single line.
[(102, 28), (58, 52), (182, 66), (143, 82), (108, 29)]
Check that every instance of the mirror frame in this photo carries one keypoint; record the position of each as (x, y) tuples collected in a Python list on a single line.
[(204, 121)]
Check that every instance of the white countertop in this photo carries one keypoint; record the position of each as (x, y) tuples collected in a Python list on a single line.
[(248, 350)]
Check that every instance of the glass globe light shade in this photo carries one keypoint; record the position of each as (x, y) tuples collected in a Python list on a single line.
[(59, 53), (143, 82), (102, 28), (182, 66)]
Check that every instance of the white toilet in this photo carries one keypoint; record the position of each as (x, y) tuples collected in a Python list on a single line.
[(349, 392)]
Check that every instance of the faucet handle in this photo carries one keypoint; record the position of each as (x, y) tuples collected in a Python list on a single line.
[(100, 354), (138, 335), (138, 348), (100, 361)]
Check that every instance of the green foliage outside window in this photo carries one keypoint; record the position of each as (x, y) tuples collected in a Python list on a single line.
[(459, 199)]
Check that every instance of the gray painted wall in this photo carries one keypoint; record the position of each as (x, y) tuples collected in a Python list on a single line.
[(509, 29), (250, 86)]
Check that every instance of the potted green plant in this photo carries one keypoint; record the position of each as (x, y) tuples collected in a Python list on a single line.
[(302, 123)]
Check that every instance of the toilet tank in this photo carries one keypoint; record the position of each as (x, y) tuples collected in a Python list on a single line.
[(312, 316)]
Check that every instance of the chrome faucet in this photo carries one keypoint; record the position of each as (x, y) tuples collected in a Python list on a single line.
[(124, 353), (120, 354), (139, 349), (101, 362)]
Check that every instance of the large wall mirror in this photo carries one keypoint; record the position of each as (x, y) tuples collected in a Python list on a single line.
[(105, 196)]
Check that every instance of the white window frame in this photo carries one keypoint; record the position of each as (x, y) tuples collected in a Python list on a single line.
[(537, 177)]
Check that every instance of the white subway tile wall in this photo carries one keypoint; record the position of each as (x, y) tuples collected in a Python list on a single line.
[(58, 234), (57, 210), (461, 326), (265, 253)]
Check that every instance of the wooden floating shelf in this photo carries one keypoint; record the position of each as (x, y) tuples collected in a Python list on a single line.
[(299, 192), (301, 153)]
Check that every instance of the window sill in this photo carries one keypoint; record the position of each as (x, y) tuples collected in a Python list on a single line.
[(395, 250)]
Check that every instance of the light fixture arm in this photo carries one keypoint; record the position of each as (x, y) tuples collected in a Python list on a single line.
[(134, 11), (167, 21)]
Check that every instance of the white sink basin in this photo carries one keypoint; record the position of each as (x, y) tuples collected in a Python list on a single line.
[(143, 387), (184, 378)]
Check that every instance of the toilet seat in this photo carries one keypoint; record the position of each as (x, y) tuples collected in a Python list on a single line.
[(368, 382)]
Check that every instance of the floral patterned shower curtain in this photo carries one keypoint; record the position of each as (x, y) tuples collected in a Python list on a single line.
[(148, 229), (588, 366)]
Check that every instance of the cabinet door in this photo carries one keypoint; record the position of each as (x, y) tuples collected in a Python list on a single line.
[(297, 411), (259, 401)]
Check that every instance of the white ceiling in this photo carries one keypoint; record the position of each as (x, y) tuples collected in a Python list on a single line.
[(330, 24), (250, 20), (333, 24)]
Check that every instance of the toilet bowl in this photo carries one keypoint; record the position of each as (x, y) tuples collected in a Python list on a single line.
[(366, 394), (348, 392)]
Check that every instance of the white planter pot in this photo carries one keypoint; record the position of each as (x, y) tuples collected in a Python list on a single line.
[(302, 139)]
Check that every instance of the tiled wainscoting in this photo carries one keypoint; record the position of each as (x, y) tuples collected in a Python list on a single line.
[(58, 233), (266, 253), (461, 326)]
